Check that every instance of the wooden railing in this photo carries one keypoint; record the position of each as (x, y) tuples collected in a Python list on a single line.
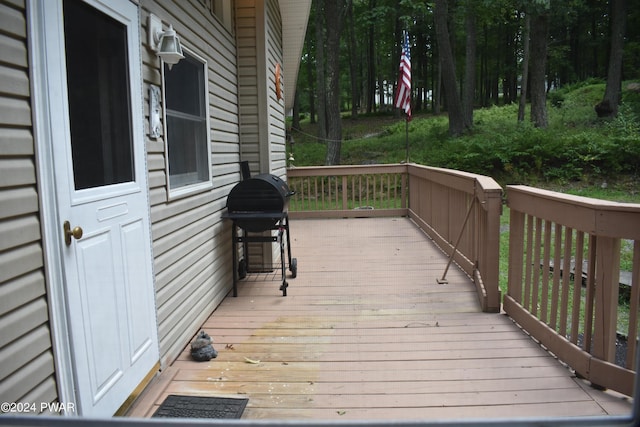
[(564, 278), (461, 211), (348, 191), (457, 210)]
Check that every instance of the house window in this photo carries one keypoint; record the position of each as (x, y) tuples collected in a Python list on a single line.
[(187, 124), (222, 9)]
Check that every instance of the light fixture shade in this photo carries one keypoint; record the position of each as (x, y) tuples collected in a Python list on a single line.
[(170, 50)]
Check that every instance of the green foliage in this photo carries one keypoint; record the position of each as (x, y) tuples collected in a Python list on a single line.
[(577, 146)]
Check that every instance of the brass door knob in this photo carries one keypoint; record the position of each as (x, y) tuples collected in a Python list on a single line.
[(76, 232)]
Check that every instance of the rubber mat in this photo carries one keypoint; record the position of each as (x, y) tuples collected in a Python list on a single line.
[(175, 406)]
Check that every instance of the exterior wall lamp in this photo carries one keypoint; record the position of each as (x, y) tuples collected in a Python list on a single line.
[(165, 43)]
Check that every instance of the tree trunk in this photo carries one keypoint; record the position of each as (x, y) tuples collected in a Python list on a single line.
[(334, 16), (312, 87), (468, 92), (295, 122), (608, 107), (538, 61), (457, 123), (525, 68), (371, 64), (320, 75), (437, 89), (353, 58)]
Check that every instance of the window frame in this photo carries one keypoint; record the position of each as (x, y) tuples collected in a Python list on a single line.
[(201, 186)]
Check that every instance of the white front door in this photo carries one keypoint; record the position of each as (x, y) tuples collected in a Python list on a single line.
[(97, 136)]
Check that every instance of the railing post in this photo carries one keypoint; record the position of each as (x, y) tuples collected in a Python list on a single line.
[(606, 306), (344, 192), (516, 255), (403, 189), (491, 269)]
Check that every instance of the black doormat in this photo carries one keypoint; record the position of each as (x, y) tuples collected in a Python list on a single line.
[(175, 406)]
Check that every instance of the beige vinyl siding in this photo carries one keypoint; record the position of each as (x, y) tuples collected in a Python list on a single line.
[(262, 132), (276, 107), (26, 357), (259, 29), (191, 243), (250, 86), (250, 24)]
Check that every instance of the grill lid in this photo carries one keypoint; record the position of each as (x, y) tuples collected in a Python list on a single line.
[(258, 203)]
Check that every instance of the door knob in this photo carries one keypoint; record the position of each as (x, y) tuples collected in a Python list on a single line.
[(76, 232)]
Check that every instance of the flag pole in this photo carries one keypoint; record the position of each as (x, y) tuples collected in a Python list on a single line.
[(406, 138)]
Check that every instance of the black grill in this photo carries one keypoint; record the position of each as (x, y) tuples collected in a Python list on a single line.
[(258, 205)]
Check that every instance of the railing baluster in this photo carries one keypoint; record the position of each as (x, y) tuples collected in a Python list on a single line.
[(566, 275), (526, 299), (546, 264), (345, 203), (577, 288), (404, 191), (353, 192), (537, 267), (555, 289), (516, 254), (590, 294)]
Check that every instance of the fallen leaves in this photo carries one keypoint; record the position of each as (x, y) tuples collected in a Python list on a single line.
[(251, 361)]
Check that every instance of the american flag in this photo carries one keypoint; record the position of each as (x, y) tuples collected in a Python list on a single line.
[(403, 93)]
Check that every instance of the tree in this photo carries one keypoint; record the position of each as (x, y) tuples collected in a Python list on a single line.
[(608, 107), (538, 66), (320, 75), (353, 58), (371, 62), (525, 67), (469, 88), (573, 36), (457, 121), (295, 123), (308, 58), (335, 11)]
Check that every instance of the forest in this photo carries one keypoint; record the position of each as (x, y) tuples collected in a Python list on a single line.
[(464, 55)]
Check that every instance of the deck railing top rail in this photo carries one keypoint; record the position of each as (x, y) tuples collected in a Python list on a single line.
[(596, 216)]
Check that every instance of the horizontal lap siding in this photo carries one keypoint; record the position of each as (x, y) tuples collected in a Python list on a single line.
[(259, 29), (249, 24), (249, 87), (191, 243), (26, 357), (276, 106), (273, 31)]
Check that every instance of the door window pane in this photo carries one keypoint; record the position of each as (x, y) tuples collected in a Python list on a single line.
[(186, 121), (98, 97)]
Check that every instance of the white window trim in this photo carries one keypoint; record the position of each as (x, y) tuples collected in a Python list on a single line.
[(187, 190)]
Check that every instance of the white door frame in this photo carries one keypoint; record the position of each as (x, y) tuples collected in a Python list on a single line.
[(52, 233)]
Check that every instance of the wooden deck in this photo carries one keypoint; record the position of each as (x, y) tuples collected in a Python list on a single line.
[(366, 332)]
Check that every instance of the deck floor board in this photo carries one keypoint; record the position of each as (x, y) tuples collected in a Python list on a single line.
[(366, 332)]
